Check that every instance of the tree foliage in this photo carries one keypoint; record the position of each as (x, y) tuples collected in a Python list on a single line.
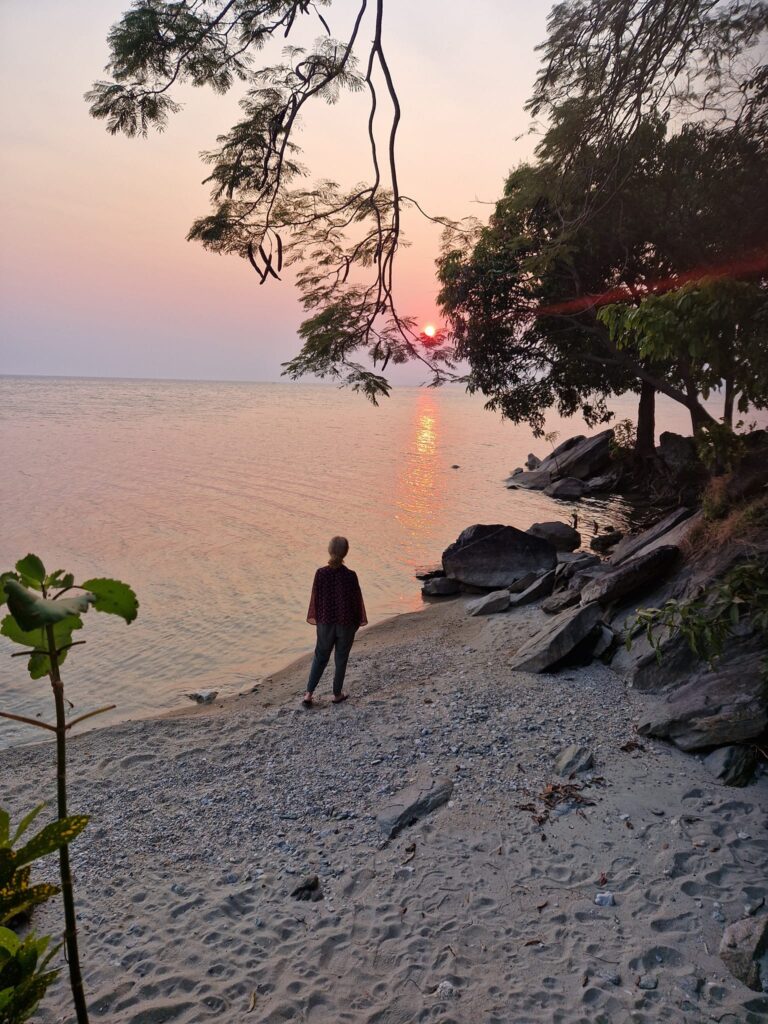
[(624, 200), (343, 241)]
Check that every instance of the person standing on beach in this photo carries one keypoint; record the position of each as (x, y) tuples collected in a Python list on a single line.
[(336, 608)]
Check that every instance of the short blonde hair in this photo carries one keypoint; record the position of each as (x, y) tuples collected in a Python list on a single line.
[(337, 549)]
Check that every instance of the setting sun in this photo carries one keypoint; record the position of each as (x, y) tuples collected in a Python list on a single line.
[(430, 330)]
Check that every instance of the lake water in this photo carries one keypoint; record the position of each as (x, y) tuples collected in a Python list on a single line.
[(215, 501)]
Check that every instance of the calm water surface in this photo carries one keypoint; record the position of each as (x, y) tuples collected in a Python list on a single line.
[(215, 502)]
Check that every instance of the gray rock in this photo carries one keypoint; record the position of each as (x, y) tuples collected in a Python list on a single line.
[(604, 641), (204, 696), (565, 446), (523, 583), (308, 890), (496, 556), (569, 489), (733, 765), (715, 706), (562, 536), (575, 561), (560, 601), (631, 576), (541, 587), (586, 458), (744, 951), (431, 573), (413, 803), (533, 461), (647, 982), (603, 542), (498, 601), (605, 899), (518, 471), (534, 480), (582, 577), (678, 453), (440, 586), (603, 483), (635, 542), (558, 639), (574, 759)]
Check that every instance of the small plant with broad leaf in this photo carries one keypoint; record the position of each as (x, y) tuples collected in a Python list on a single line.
[(24, 973), (43, 621)]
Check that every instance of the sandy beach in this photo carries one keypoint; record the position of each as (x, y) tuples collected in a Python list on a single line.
[(483, 912)]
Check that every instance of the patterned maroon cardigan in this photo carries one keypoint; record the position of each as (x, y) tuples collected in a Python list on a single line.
[(336, 598)]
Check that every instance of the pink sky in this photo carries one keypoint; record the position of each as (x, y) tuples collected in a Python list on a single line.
[(96, 277)]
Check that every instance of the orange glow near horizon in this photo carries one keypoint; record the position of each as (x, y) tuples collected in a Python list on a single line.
[(430, 330)]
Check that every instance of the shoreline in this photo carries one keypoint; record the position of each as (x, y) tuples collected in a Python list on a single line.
[(203, 823)]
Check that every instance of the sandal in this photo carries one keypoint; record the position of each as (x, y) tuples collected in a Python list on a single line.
[(340, 699), (307, 702)]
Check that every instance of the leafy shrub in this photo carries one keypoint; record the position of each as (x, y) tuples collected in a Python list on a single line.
[(24, 974), (624, 439), (706, 622)]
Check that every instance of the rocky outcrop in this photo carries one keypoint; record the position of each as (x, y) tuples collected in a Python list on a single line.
[(532, 462), (558, 639), (583, 460), (716, 706), (577, 459), (678, 453), (631, 576), (496, 556), (412, 803), (635, 543), (569, 489), (560, 535), (744, 951)]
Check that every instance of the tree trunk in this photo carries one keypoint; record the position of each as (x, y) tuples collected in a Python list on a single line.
[(645, 444), (729, 397)]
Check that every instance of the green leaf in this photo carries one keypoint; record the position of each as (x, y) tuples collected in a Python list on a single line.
[(32, 571), (5, 827), (9, 941), (113, 597), (4, 577), (14, 902), (31, 611), (26, 822), (39, 664), (57, 834)]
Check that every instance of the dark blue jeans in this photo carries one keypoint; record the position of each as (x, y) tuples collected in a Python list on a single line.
[(331, 637)]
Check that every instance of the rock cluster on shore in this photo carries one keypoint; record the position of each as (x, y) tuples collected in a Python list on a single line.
[(716, 708)]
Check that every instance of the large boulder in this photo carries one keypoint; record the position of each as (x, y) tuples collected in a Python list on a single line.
[(634, 543), (636, 574), (532, 462), (581, 460), (558, 639), (496, 556), (562, 536), (569, 489), (716, 706)]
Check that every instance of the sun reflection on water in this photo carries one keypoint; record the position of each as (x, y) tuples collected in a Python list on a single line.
[(420, 489)]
